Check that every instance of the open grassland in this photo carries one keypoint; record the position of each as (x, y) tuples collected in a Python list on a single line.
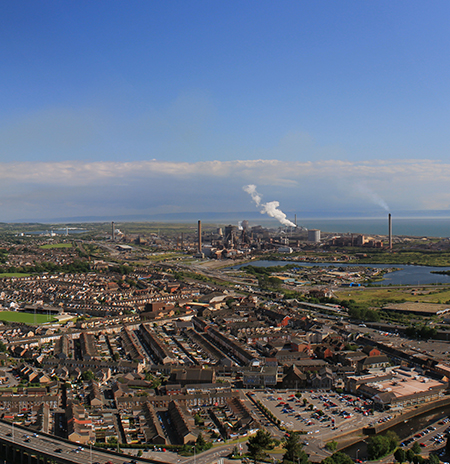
[(163, 228), (26, 318), (421, 258), (166, 256), (56, 245), (13, 274), (380, 296)]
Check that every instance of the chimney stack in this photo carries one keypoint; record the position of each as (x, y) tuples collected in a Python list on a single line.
[(390, 231), (199, 237), (113, 237)]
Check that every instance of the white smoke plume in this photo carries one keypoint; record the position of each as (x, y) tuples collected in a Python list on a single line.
[(251, 190), (373, 196), (270, 208)]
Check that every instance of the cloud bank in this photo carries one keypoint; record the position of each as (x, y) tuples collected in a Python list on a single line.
[(30, 189)]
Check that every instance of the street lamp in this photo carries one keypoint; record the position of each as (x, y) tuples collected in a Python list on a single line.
[(357, 451)]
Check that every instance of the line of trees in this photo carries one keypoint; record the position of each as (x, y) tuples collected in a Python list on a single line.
[(423, 332), (76, 267), (412, 455)]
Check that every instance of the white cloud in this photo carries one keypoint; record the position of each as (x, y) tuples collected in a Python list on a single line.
[(80, 187), (274, 172)]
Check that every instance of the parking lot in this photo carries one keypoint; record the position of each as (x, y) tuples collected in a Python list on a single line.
[(324, 413), (433, 436)]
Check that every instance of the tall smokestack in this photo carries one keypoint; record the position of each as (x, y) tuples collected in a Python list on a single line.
[(390, 231), (295, 221), (112, 232), (199, 237)]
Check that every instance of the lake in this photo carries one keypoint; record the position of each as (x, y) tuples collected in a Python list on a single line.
[(408, 275)]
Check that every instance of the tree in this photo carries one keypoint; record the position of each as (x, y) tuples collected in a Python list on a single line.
[(400, 455), (331, 445), (377, 446), (257, 444), (416, 448), (433, 459), (380, 445), (200, 443), (338, 458), (112, 440), (294, 450), (393, 440), (88, 375), (410, 455), (198, 420)]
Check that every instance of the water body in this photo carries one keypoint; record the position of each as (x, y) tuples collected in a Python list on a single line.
[(416, 227), (408, 275)]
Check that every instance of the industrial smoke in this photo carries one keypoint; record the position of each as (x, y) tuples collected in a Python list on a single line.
[(251, 190), (270, 208), (373, 196)]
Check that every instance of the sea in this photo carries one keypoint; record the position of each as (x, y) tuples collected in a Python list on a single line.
[(416, 227)]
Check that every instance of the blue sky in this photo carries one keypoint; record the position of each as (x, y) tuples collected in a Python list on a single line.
[(142, 107)]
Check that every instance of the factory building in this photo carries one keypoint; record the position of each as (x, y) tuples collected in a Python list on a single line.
[(314, 235)]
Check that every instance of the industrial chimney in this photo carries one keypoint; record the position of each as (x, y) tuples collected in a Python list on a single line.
[(113, 237), (199, 237), (390, 231)]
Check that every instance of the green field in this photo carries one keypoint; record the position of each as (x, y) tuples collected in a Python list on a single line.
[(380, 296), (56, 245), (26, 318), (13, 274)]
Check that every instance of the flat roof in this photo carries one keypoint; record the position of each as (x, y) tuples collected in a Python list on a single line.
[(406, 383)]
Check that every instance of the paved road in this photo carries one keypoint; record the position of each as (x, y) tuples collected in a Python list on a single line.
[(57, 448), (211, 456)]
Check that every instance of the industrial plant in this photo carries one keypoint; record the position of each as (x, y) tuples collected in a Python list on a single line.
[(244, 239)]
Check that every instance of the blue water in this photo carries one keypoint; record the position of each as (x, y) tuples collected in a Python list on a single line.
[(416, 227), (408, 275)]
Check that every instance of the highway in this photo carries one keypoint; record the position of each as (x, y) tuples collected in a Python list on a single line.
[(59, 450)]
